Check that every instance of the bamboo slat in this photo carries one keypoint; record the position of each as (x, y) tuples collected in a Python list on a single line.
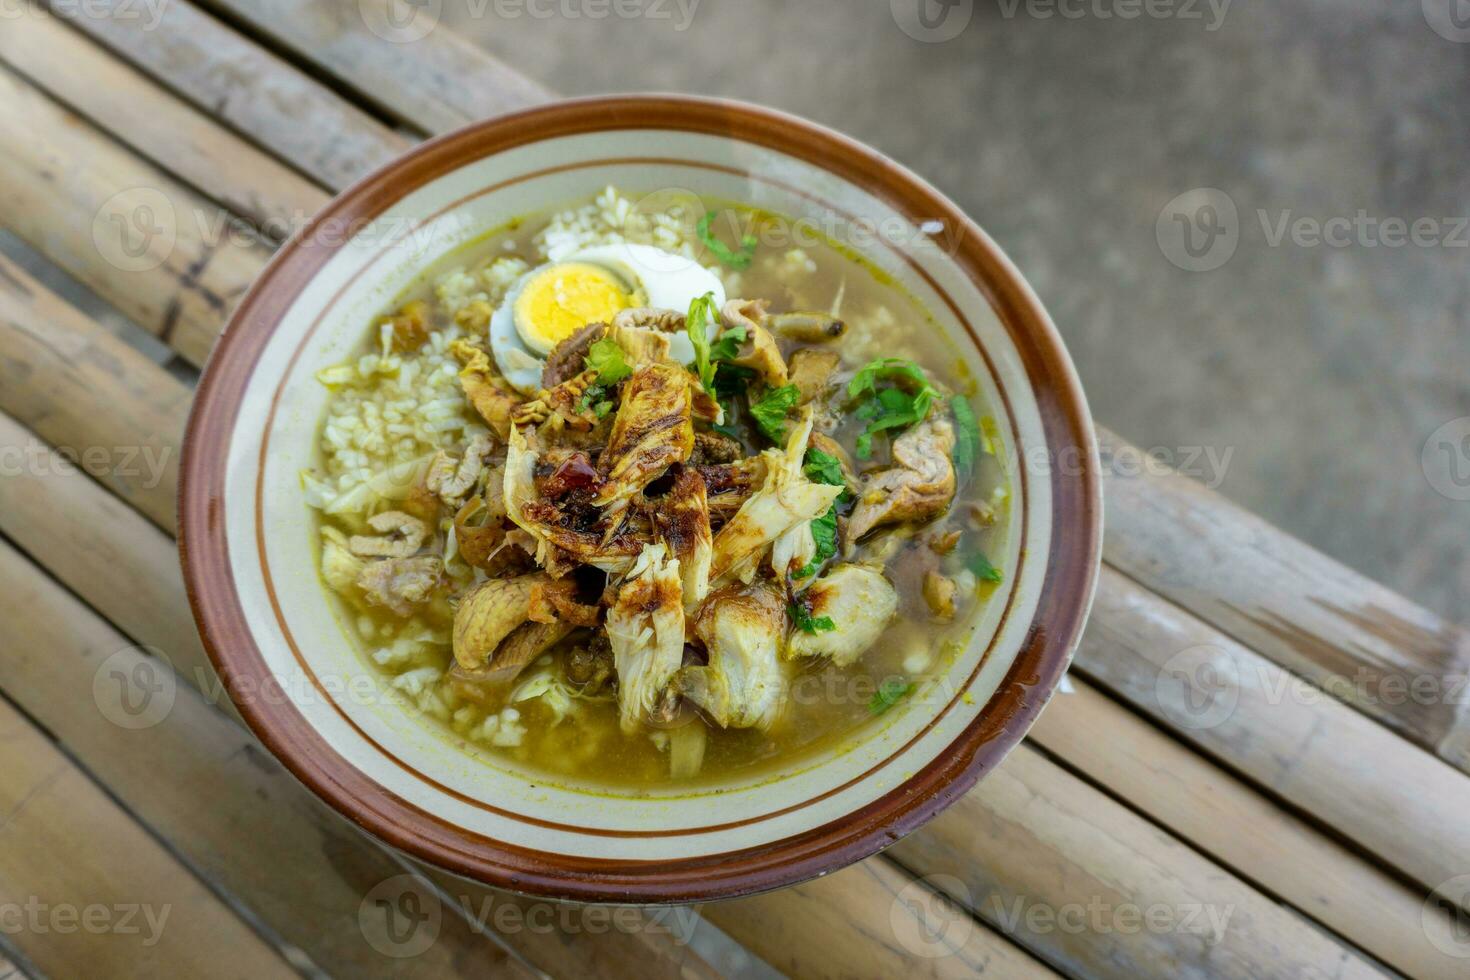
[(252, 90), (394, 56), (260, 836), (1099, 892), (1308, 749), (825, 929), (1242, 829), (160, 253), (83, 389), (158, 126), (86, 892), (1393, 660)]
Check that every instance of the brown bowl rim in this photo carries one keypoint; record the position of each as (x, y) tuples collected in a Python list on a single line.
[(1064, 601)]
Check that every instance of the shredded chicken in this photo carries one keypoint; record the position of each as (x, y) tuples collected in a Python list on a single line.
[(646, 629), (811, 371), (400, 535), (918, 487), (650, 318), (859, 601), (743, 685), (760, 350), (400, 584), (786, 499), (490, 394)]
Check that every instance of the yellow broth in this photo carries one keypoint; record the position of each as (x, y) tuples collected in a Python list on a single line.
[(827, 707)]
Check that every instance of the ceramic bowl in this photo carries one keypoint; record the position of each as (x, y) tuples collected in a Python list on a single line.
[(299, 681)]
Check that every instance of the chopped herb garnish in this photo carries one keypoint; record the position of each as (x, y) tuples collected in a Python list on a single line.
[(806, 622), (697, 324), (889, 693), (770, 411), (723, 252), (824, 533), (595, 400), (905, 403), (969, 442), (727, 348), (982, 568), (606, 358), (824, 468)]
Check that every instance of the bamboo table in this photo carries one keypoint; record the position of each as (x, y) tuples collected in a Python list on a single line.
[(1259, 769)]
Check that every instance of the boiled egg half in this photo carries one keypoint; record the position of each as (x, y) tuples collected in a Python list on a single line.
[(553, 301)]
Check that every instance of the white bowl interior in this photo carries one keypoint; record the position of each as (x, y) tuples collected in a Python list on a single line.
[(320, 668)]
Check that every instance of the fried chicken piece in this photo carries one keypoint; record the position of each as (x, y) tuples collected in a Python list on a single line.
[(560, 543), (681, 518), (487, 614), (654, 429), (918, 487), (490, 684)]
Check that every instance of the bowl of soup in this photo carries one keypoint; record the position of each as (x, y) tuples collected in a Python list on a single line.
[(640, 499)]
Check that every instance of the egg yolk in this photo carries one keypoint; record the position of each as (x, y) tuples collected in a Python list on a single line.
[(561, 299)]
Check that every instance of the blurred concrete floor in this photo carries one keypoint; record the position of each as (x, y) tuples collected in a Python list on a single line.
[(1323, 368)]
